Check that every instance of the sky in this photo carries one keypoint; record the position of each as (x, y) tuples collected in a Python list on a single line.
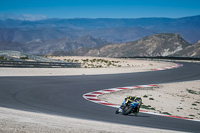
[(42, 9)]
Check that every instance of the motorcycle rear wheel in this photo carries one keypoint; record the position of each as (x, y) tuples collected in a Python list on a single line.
[(127, 110)]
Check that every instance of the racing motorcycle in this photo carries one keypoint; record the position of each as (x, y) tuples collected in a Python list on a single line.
[(128, 108)]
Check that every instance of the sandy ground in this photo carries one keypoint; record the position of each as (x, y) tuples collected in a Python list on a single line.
[(109, 66), (15, 121), (178, 99), (18, 121), (93, 62)]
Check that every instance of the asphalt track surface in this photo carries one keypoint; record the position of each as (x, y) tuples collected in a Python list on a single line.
[(62, 95)]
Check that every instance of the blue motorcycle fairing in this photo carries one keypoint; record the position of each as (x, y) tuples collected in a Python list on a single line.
[(134, 104)]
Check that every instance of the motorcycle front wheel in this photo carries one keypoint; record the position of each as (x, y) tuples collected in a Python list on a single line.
[(117, 111)]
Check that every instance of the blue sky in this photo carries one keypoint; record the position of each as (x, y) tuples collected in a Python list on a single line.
[(98, 8)]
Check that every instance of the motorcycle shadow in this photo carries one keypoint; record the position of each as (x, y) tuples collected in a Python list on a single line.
[(139, 115)]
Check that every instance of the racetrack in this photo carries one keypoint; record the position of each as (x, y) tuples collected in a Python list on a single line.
[(63, 96)]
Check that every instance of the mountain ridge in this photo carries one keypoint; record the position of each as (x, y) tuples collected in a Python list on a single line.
[(163, 44), (190, 51), (68, 35), (185, 26)]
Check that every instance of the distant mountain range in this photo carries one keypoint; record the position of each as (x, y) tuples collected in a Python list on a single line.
[(163, 44), (80, 35), (40, 47), (111, 30)]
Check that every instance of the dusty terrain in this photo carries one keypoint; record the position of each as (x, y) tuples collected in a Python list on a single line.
[(18, 121), (177, 99)]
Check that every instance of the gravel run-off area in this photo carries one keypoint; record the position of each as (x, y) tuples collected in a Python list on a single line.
[(178, 99)]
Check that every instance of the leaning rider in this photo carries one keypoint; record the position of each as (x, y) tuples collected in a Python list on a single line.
[(136, 102)]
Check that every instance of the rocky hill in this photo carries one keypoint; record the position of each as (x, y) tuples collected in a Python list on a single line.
[(164, 44), (190, 51)]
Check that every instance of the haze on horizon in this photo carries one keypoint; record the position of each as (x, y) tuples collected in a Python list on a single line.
[(42, 9)]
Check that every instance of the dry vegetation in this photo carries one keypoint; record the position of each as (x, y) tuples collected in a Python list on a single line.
[(103, 62)]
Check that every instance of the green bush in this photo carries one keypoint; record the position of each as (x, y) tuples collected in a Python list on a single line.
[(151, 98), (193, 92), (166, 113), (194, 104), (145, 96), (147, 107), (24, 58), (192, 115), (3, 58)]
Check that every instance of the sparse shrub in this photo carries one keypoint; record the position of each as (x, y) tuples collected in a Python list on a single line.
[(98, 60), (94, 60), (99, 66), (194, 104), (193, 92), (145, 96), (3, 58), (24, 58), (192, 115), (147, 107), (151, 98), (166, 113), (106, 61), (86, 60)]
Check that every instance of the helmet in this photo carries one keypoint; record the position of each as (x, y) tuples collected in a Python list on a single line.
[(137, 98), (129, 97)]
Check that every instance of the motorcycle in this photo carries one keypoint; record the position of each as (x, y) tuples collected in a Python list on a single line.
[(128, 108)]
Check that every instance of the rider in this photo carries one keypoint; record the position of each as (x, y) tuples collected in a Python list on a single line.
[(136, 101)]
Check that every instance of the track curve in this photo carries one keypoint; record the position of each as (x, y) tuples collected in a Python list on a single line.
[(62, 95)]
